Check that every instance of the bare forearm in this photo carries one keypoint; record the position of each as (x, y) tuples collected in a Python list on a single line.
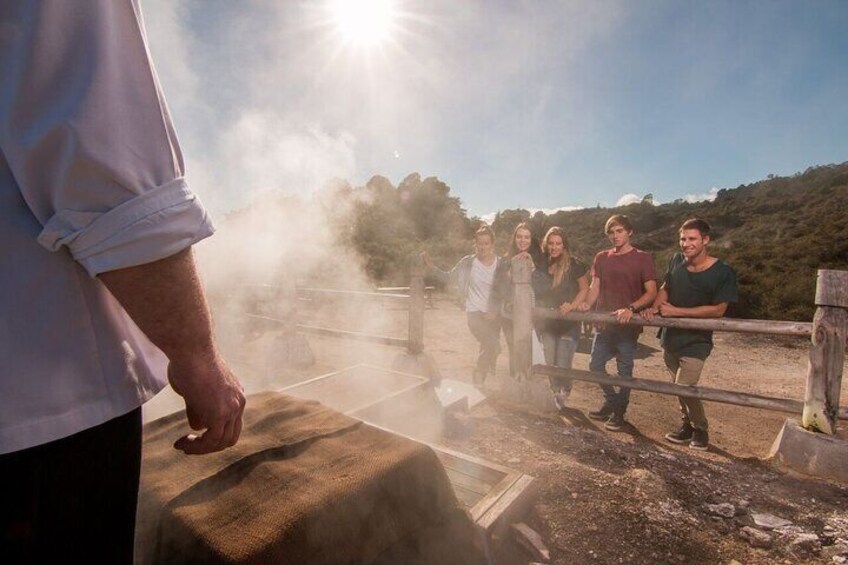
[(165, 299), (647, 298), (710, 311), (594, 292), (582, 293)]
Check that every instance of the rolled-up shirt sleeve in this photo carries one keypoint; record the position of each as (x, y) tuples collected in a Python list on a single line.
[(86, 132)]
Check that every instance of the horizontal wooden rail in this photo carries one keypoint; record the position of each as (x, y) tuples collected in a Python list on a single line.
[(803, 329), (358, 336), (395, 289), (357, 293), (660, 387)]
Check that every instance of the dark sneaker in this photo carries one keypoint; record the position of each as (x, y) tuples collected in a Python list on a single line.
[(615, 423), (681, 436), (700, 440), (560, 399), (602, 414)]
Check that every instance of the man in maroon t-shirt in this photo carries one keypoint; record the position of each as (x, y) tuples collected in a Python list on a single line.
[(624, 281)]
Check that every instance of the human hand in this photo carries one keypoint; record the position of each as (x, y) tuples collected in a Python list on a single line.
[(583, 307), (649, 313), (623, 315), (667, 310), (214, 401), (566, 307)]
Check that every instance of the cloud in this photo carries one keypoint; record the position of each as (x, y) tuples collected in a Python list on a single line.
[(709, 196), (490, 217), (628, 199)]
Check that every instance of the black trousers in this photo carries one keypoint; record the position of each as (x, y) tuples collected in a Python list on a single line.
[(73, 499)]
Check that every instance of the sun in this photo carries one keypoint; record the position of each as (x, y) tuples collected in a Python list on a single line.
[(364, 22)]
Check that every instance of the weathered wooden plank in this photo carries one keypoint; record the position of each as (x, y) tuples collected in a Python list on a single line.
[(832, 288), (469, 482), (415, 343), (530, 540), (356, 388), (357, 293), (472, 468), (511, 503), (661, 387), (356, 336), (474, 460), (827, 352), (522, 315), (467, 497), (487, 502), (774, 327)]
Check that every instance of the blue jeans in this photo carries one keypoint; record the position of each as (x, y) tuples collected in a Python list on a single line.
[(619, 342), (559, 352)]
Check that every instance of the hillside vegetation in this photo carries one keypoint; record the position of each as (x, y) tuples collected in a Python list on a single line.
[(775, 233)]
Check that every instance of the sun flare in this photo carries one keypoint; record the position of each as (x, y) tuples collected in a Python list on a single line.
[(364, 22)]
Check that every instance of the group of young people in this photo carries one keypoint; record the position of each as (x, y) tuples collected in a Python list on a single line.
[(621, 280)]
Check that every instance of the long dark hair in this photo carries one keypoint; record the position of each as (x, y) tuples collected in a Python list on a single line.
[(560, 267)]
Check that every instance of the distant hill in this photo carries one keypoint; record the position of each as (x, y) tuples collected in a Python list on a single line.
[(776, 233)]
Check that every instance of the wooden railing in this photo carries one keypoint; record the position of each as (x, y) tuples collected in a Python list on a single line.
[(820, 407), (415, 299)]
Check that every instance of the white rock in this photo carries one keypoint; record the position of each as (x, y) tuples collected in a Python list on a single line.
[(724, 510), (809, 543), (756, 537), (769, 521), (835, 550), (790, 530)]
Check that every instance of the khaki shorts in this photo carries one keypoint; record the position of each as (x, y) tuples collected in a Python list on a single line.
[(685, 370)]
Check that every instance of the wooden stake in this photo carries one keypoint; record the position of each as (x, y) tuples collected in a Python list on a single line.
[(416, 307), (827, 352), (522, 316)]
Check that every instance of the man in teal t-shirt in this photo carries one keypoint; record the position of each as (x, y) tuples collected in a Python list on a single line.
[(696, 285)]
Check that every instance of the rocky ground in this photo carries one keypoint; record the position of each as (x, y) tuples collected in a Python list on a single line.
[(629, 496)]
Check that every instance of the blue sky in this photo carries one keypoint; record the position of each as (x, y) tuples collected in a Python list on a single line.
[(536, 104)]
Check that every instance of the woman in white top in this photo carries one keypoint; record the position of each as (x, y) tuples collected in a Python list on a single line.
[(474, 277)]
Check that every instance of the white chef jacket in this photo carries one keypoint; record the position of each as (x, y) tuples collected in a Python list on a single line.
[(91, 180)]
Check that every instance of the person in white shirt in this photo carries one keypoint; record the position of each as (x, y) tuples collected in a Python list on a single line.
[(474, 277), (100, 299)]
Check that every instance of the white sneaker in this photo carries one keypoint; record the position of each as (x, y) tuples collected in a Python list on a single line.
[(561, 398)]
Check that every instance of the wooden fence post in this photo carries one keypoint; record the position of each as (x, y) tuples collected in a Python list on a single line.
[(416, 307), (827, 352), (522, 317)]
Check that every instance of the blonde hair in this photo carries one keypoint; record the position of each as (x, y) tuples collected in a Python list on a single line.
[(564, 260), (513, 248)]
